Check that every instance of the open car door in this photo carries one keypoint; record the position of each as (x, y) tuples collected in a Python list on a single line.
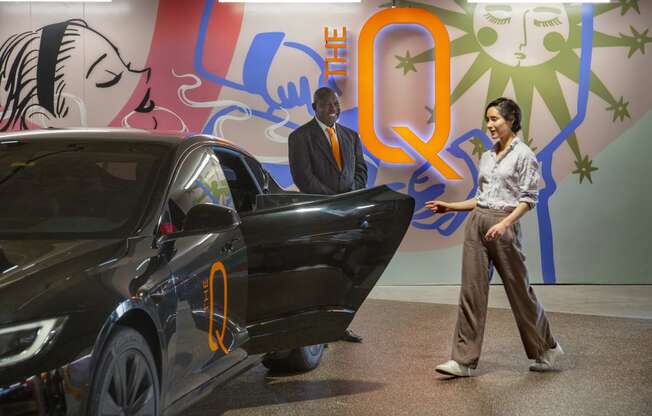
[(314, 259)]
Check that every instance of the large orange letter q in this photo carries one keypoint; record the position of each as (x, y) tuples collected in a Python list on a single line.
[(429, 149)]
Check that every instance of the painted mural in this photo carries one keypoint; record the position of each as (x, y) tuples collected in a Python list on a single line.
[(247, 73)]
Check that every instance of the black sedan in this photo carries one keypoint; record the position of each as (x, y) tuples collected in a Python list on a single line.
[(138, 271)]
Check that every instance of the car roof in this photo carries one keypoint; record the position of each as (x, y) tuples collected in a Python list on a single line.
[(172, 139)]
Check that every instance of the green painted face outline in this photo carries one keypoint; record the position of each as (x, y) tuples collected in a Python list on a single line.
[(521, 35)]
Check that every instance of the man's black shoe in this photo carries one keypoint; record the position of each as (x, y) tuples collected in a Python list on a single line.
[(350, 336)]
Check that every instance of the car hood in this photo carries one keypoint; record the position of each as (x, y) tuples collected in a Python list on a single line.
[(41, 278)]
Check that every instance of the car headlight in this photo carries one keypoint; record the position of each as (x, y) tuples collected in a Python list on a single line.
[(21, 342)]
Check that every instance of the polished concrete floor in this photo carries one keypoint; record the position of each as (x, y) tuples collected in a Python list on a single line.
[(625, 301), (607, 368)]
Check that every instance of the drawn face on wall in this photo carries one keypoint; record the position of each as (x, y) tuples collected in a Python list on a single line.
[(521, 35), (80, 79), (104, 80)]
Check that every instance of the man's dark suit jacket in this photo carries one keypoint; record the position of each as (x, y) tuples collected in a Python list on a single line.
[(313, 166)]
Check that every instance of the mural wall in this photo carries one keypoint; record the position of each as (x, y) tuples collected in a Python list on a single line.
[(247, 73)]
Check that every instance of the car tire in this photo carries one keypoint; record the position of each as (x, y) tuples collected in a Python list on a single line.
[(126, 378), (298, 360)]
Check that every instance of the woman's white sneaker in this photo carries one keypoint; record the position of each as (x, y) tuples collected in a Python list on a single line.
[(546, 362), (453, 368)]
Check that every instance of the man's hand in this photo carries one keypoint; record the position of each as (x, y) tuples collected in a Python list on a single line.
[(496, 232), (438, 207)]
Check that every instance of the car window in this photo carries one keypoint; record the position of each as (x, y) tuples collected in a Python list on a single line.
[(244, 187), (266, 181), (200, 179), (66, 189), (256, 170)]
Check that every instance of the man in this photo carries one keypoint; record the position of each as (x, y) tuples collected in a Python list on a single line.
[(326, 158)]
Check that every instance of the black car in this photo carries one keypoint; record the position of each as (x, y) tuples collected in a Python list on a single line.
[(138, 270)]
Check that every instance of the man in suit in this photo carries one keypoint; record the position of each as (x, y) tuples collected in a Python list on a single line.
[(326, 158)]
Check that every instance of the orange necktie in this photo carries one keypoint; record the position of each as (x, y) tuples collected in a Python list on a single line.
[(335, 147)]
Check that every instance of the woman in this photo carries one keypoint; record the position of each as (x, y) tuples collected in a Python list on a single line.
[(507, 189)]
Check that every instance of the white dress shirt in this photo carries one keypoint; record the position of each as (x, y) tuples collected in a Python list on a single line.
[(503, 183)]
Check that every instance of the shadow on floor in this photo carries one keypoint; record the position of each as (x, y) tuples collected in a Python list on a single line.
[(260, 389)]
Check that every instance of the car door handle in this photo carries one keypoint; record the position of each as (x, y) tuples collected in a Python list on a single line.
[(364, 223), (158, 294), (228, 246)]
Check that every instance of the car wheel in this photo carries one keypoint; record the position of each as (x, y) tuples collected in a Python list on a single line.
[(299, 359), (126, 378)]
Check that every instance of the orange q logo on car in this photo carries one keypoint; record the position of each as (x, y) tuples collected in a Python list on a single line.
[(428, 149), (215, 337)]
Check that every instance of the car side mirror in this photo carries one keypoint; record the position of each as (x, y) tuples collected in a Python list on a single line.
[(202, 218), (209, 218)]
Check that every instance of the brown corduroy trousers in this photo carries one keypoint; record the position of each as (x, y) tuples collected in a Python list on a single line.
[(507, 257)]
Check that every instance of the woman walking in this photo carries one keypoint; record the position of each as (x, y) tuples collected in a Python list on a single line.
[(507, 189)]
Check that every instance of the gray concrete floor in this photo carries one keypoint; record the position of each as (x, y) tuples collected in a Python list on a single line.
[(607, 369), (631, 301)]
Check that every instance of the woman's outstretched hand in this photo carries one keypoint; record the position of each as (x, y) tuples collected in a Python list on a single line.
[(438, 207)]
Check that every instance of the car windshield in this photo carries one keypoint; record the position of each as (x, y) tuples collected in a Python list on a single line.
[(61, 189)]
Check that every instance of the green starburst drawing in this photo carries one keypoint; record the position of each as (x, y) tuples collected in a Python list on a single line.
[(584, 168), (555, 33), (637, 41), (406, 63), (620, 110), (625, 5)]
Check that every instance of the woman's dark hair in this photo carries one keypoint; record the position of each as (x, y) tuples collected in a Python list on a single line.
[(508, 110)]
